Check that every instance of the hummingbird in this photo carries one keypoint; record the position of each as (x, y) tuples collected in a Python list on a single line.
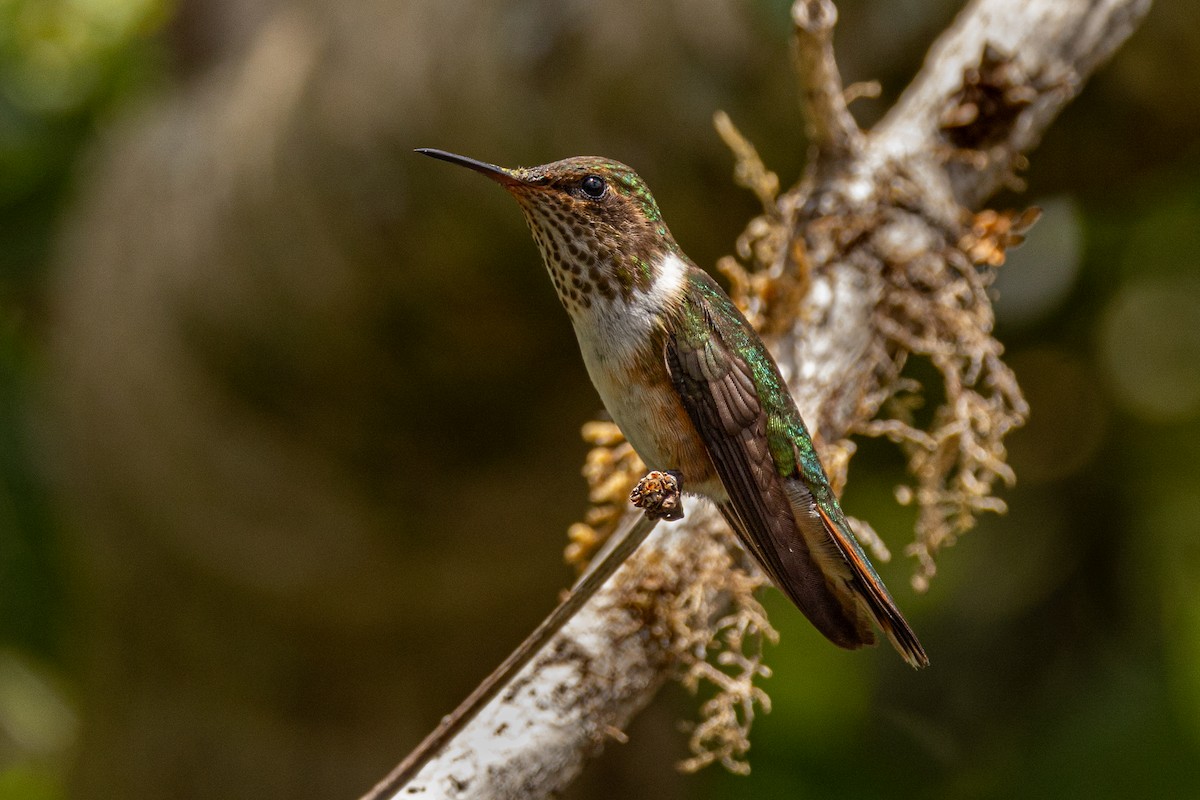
[(694, 389)]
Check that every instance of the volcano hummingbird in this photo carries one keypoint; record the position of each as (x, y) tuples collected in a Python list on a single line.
[(694, 390)]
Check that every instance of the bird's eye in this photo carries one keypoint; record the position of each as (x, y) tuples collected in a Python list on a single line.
[(593, 186)]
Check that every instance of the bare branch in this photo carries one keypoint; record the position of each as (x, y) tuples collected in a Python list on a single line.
[(830, 125), (878, 234), (1049, 47), (635, 531), (603, 668)]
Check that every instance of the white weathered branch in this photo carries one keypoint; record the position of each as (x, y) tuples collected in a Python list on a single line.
[(576, 695), (827, 119), (1054, 46), (937, 150)]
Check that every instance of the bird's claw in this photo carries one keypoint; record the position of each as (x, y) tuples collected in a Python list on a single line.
[(659, 495)]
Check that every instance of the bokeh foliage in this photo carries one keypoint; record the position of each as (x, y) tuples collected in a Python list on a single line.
[(1065, 636), (66, 66)]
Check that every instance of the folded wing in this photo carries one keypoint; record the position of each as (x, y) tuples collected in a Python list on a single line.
[(804, 545)]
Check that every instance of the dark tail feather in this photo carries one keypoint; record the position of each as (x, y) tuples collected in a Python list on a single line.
[(798, 574), (844, 561), (874, 594)]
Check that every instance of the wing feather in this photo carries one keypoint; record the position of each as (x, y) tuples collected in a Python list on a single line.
[(843, 558), (803, 543), (718, 393)]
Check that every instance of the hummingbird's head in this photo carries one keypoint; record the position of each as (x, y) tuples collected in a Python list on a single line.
[(597, 225)]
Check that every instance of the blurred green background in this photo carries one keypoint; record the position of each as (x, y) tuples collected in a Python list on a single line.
[(280, 402)]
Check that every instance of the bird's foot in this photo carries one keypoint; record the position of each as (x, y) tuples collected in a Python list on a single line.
[(660, 495)]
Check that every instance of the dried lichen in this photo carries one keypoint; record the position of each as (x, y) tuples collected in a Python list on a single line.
[(671, 602), (668, 601), (770, 293), (938, 308), (723, 733), (611, 470), (986, 106), (991, 233), (935, 305)]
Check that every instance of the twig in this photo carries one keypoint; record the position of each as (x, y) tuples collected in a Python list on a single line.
[(626, 541), (830, 125)]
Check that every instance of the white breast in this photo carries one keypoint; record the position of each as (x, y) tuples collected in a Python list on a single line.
[(612, 334)]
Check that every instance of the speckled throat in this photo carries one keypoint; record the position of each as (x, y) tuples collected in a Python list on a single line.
[(595, 222), (600, 232), (606, 247)]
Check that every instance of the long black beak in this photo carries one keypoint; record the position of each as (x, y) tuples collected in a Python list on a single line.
[(498, 174)]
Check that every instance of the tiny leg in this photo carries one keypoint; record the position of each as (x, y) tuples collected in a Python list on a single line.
[(660, 495)]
